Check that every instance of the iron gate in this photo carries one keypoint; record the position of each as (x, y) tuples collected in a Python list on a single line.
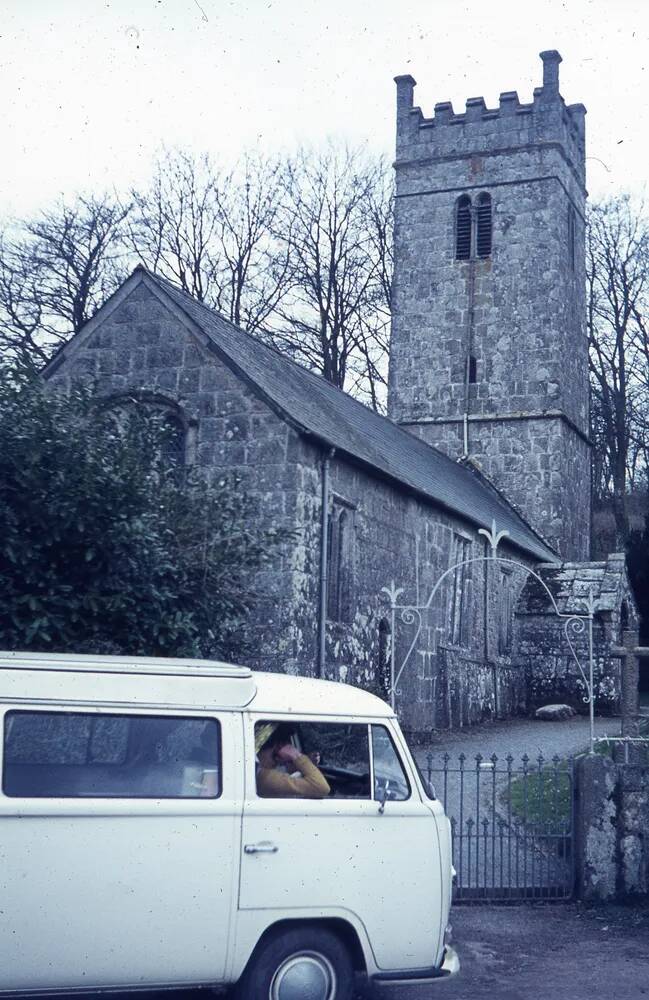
[(512, 825)]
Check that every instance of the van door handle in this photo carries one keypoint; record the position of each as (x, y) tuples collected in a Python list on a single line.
[(264, 848)]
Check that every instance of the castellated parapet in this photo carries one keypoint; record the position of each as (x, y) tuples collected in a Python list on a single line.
[(489, 353), (546, 120)]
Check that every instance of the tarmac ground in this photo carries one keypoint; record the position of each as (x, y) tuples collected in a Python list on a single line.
[(563, 951)]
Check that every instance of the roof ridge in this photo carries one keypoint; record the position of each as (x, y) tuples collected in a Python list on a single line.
[(331, 387)]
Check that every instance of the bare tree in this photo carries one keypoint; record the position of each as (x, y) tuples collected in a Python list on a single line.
[(211, 232), (617, 264), (336, 227), (55, 272), (371, 368), (21, 308)]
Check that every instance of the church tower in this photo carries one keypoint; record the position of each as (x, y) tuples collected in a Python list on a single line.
[(489, 355)]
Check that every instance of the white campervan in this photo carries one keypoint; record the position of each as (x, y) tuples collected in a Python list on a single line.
[(137, 851)]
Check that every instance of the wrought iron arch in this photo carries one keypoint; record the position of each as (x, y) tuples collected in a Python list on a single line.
[(412, 615)]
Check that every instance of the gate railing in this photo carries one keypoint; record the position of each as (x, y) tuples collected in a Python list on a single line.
[(512, 826)]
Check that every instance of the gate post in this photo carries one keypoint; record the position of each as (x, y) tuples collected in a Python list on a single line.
[(630, 682), (630, 700), (595, 834)]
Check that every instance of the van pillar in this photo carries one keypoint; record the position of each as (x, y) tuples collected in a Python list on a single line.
[(324, 564)]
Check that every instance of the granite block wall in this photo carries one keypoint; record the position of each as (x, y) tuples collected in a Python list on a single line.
[(611, 842), (519, 313), (552, 632), (538, 464), (399, 538), (143, 349)]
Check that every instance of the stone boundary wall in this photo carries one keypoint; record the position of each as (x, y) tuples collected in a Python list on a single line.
[(612, 828)]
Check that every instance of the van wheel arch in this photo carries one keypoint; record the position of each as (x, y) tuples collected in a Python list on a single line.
[(344, 931)]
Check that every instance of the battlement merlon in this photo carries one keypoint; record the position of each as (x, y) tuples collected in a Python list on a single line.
[(479, 128), (551, 60)]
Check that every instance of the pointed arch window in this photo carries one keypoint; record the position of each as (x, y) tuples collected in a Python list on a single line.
[(340, 562), (173, 443), (463, 228), (461, 583), (505, 609), (473, 227), (483, 221)]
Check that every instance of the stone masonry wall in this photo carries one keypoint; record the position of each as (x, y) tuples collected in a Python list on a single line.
[(542, 631), (553, 675), (143, 347), (611, 840), (519, 313), (398, 537), (538, 465)]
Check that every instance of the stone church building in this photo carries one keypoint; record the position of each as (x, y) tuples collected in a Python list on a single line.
[(488, 424)]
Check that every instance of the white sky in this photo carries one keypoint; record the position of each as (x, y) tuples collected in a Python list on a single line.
[(90, 90)]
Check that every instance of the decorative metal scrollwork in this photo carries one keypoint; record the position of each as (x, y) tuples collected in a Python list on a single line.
[(575, 625)]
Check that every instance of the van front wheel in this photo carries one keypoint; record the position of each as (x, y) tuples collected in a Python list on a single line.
[(309, 963)]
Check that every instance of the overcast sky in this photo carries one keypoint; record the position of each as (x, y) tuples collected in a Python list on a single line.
[(90, 90)]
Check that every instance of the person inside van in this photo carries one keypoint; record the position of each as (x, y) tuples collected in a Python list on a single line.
[(274, 751)]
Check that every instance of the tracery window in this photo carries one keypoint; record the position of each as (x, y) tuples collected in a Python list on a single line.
[(174, 430), (174, 442)]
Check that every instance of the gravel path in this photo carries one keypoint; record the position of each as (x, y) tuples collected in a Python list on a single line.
[(517, 737)]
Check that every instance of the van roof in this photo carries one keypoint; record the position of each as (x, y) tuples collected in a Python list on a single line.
[(156, 681), (96, 663), (309, 696)]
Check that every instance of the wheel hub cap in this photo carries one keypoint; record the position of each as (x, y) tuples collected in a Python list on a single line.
[(307, 976)]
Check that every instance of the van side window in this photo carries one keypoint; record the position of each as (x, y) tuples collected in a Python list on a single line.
[(340, 753), (390, 780), (73, 755)]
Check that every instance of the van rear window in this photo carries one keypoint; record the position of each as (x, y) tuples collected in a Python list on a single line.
[(78, 755)]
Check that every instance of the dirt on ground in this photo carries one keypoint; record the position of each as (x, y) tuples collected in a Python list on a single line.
[(558, 951)]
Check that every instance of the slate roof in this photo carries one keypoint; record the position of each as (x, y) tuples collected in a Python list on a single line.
[(571, 584), (320, 410)]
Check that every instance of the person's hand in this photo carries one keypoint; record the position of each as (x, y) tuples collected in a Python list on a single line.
[(287, 753)]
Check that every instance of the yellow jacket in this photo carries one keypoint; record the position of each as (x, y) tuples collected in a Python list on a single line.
[(312, 784)]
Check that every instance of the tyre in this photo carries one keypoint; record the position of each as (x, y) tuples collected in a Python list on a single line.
[(309, 963)]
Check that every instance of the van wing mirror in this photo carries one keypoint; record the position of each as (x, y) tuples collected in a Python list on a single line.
[(429, 788)]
